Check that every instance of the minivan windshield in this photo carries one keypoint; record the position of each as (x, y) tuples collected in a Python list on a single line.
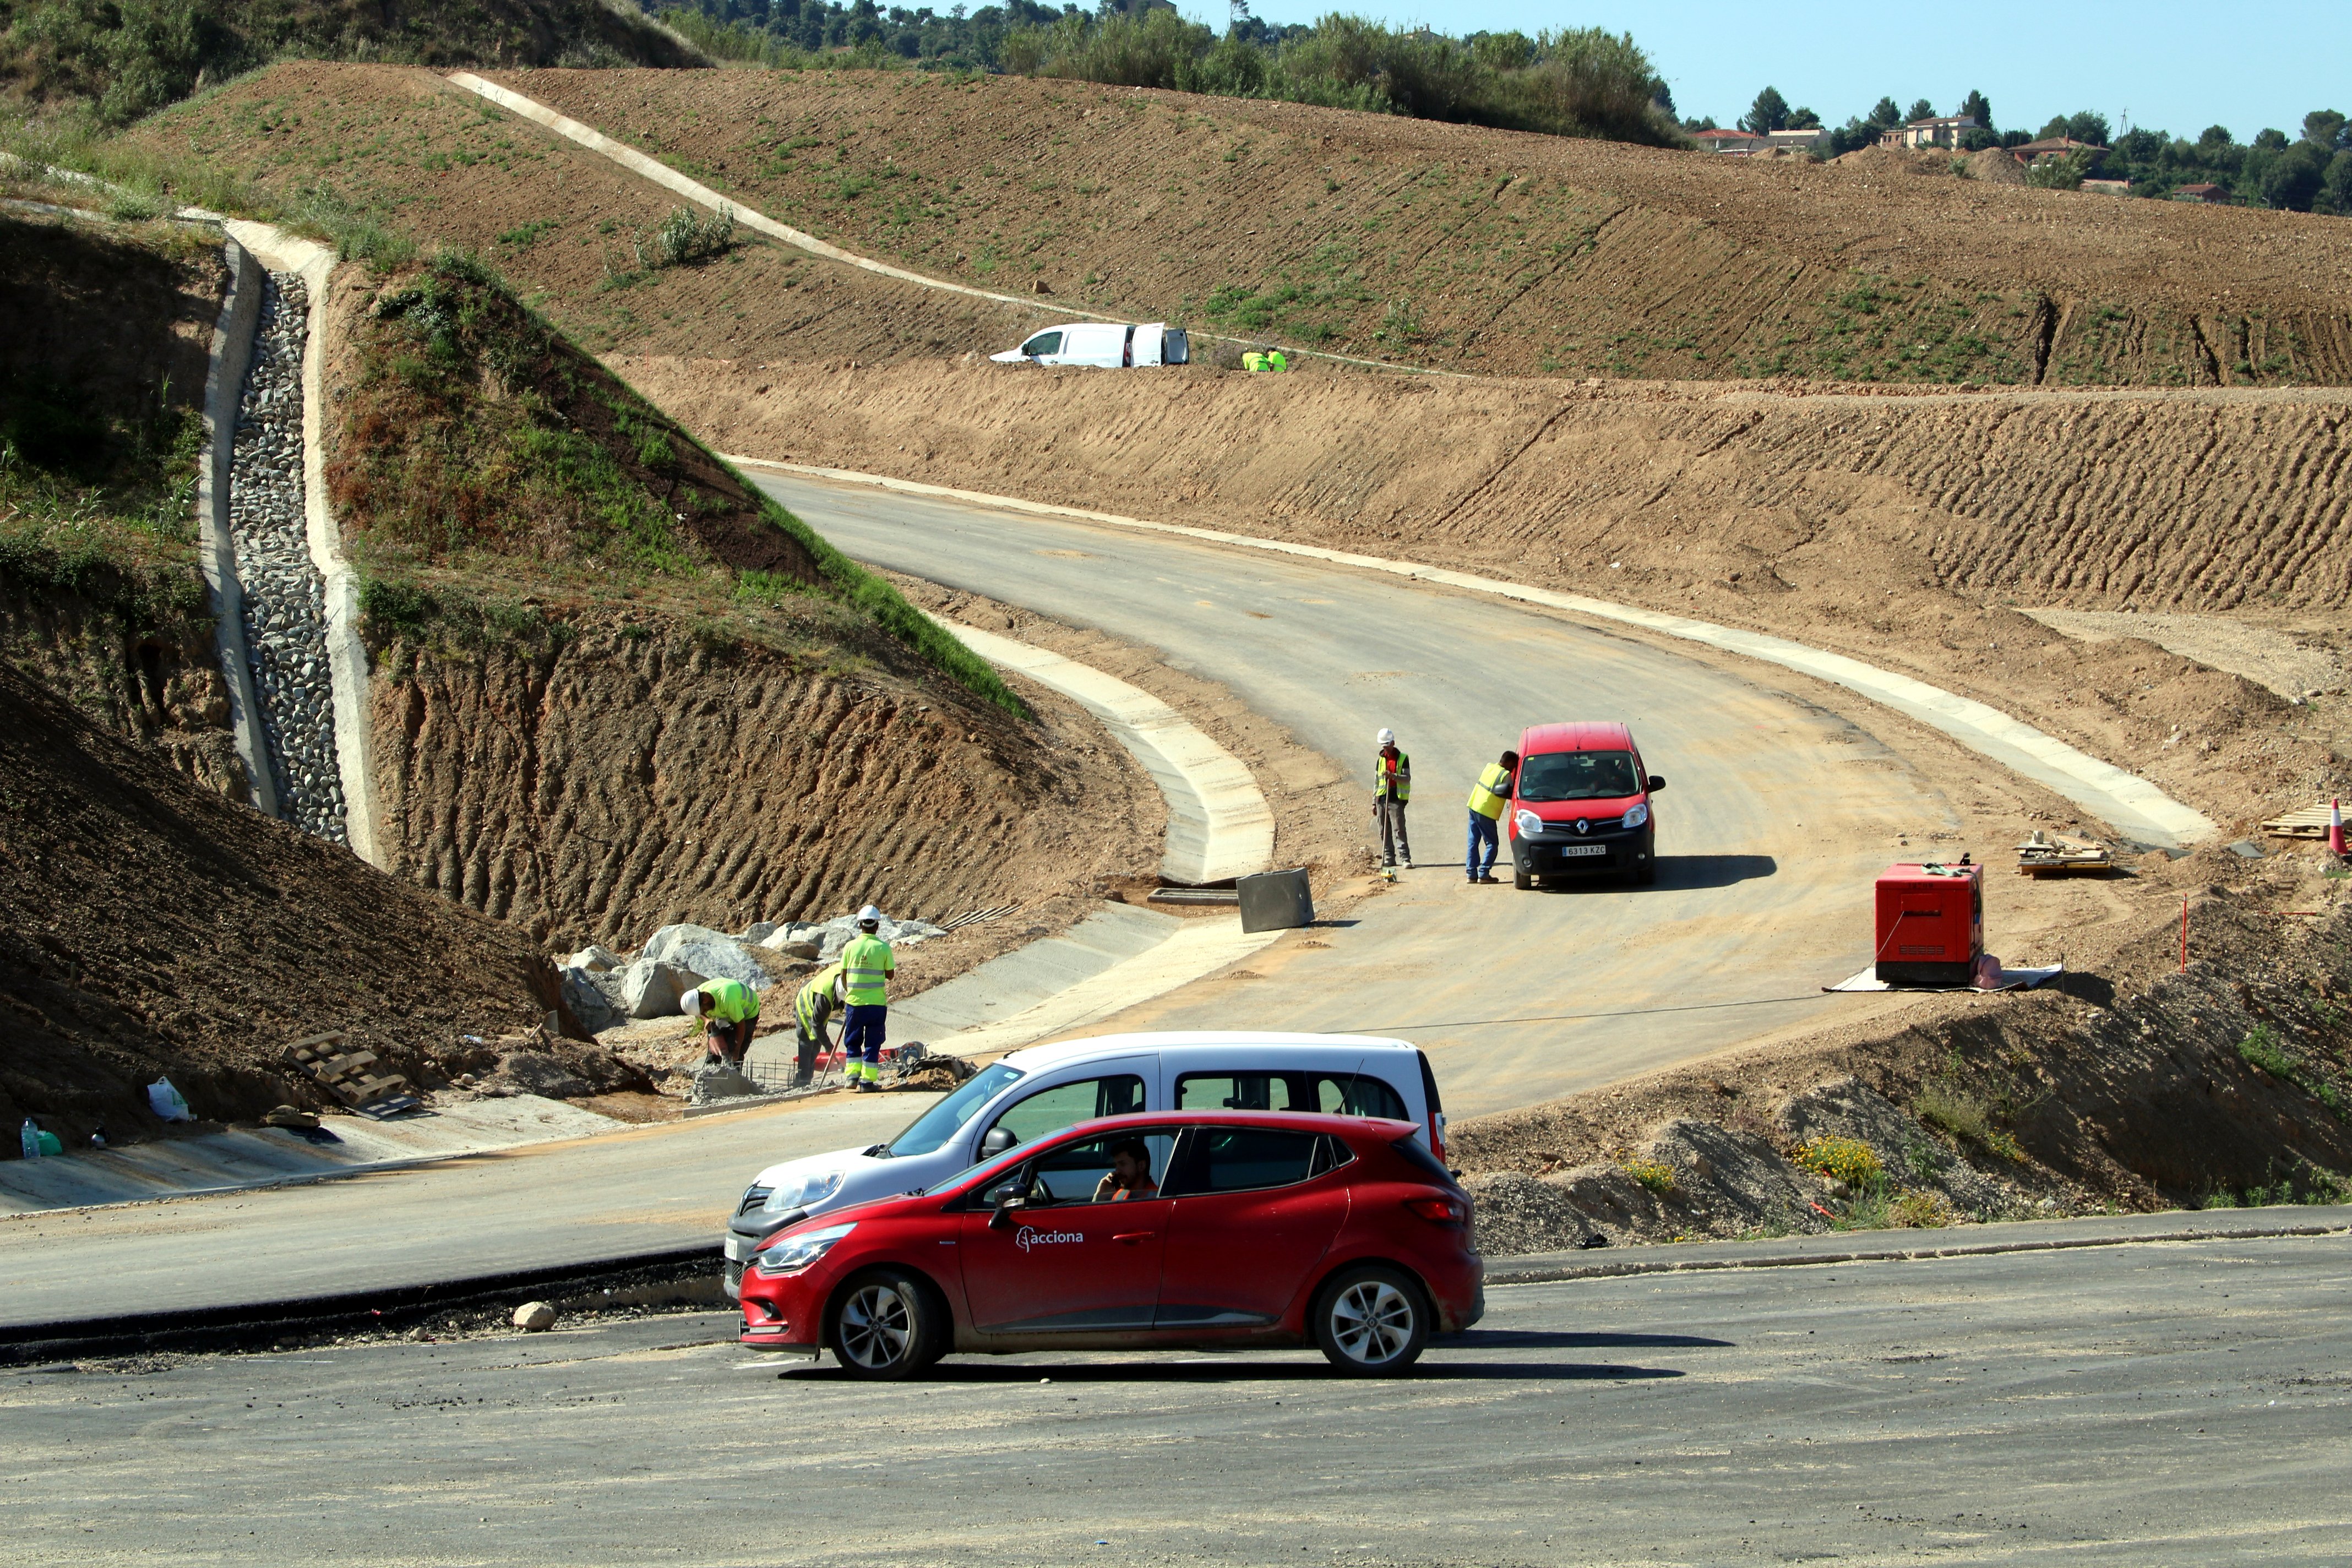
[(1579, 776), (936, 1125)]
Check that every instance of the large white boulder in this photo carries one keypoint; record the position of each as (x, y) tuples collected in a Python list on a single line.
[(651, 989), (593, 959), (713, 954)]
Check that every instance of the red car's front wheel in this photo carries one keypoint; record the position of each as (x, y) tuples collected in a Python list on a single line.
[(887, 1325)]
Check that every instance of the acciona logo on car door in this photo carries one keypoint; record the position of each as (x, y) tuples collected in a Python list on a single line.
[(1025, 1238)]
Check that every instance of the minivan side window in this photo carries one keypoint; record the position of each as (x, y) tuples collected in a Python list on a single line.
[(1338, 1094), (1049, 1110), (1042, 343)]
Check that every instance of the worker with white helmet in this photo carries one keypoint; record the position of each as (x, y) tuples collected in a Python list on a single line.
[(866, 966), (729, 1011), (1391, 787)]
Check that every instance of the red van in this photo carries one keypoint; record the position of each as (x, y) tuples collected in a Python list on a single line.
[(1581, 805)]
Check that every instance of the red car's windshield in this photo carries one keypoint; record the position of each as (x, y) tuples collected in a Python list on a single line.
[(1579, 776)]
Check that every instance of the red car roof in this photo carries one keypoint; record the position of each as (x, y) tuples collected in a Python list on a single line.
[(1542, 738)]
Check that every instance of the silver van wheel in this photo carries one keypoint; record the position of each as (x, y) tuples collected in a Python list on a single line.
[(1372, 1321), (877, 1326)]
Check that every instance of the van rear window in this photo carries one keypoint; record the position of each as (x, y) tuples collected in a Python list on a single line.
[(1334, 1094)]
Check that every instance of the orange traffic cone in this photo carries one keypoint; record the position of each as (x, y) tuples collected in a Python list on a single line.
[(2335, 826)]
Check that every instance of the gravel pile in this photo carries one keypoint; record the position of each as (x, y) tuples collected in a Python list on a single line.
[(284, 597)]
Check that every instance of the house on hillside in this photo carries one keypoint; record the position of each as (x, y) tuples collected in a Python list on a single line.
[(1797, 141), (1738, 142), (1944, 131), (2108, 188), (2051, 148), (2211, 196)]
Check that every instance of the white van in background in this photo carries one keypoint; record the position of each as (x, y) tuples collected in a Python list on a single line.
[(1106, 344), (1038, 1091)]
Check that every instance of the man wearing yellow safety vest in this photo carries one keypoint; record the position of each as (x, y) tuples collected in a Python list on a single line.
[(729, 1010), (815, 1002), (1487, 798), (866, 966), (1391, 787)]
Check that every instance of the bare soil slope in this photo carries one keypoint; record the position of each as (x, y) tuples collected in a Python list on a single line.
[(150, 928), (1492, 251), (405, 148), (1901, 529)]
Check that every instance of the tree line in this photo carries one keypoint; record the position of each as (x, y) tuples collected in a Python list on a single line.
[(2310, 173), (1574, 82)]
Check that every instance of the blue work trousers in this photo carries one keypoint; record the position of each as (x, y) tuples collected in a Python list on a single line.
[(1482, 834), (861, 1032)]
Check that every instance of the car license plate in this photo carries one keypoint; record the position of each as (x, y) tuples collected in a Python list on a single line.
[(1584, 849)]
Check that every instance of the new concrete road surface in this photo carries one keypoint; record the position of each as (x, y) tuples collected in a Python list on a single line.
[(1775, 818), (2159, 1403), (582, 1200)]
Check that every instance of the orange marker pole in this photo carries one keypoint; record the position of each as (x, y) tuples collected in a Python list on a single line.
[(2184, 936)]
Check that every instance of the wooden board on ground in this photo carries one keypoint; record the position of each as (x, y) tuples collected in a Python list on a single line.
[(345, 1075), (2311, 821)]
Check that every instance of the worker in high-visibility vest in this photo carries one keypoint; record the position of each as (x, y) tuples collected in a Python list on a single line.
[(866, 966), (729, 1011), (1487, 798), (1276, 360), (814, 1004), (1391, 787)]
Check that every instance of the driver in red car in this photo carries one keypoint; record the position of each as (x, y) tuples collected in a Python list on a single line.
[(1130, 1175)]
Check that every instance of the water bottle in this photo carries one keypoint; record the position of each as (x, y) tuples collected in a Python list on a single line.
[(29, 1139)]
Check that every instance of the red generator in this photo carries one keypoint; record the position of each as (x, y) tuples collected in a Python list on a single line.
[(1930, 923)]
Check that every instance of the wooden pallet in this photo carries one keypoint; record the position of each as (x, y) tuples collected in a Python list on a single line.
[(345, 1075), (2311, 821)]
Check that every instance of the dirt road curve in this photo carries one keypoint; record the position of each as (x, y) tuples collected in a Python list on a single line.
[(1875, 1413), (1776, 816)]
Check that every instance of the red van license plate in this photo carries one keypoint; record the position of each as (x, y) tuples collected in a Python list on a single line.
[(1584, 849)]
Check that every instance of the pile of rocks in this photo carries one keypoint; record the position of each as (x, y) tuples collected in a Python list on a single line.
[(604, 989), (284, 597)]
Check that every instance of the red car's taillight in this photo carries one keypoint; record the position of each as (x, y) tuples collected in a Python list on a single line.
[(1438, 1211)]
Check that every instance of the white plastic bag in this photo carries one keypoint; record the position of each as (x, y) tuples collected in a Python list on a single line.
[(168, 1102)]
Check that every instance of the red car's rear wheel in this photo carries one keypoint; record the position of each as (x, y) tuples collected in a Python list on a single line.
[(1372, 1321)]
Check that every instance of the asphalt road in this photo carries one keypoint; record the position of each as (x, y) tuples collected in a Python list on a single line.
[(2174, 1404), (1776, 818), (541, 1205)]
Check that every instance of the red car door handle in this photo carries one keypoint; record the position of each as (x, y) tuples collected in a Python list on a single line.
[(1132, 1236)]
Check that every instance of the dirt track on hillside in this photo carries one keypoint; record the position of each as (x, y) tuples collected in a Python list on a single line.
[(1492, 250), (1900, 530)]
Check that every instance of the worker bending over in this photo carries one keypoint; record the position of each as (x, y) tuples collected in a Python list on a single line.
[(866, 966), (815, 1002), (1487, 798), (1391, 787), (729, 1010)]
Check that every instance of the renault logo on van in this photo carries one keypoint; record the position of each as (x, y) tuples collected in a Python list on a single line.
[(1582, 826)]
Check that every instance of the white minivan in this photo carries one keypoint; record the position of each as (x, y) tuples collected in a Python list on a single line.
[(1039, 1092), (1110, 345)]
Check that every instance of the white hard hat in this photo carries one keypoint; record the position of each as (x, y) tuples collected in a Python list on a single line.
[(691, 1003), (869, 913), (1386, 738)]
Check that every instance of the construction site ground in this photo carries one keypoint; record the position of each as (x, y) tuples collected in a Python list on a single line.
[(1916, 528)]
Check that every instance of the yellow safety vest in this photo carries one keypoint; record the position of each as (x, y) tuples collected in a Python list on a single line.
[(1488, 796), (866, 970), (1254, 360), (1276, 360), (728, 1000), (1392, 780), (814, 1002)]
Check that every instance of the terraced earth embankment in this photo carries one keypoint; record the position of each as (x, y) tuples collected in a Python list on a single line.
[(1446, 246)]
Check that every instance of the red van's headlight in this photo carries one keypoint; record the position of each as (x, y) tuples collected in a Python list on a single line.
[(1439, 1211)]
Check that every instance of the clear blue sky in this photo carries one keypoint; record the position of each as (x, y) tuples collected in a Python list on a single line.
[(2172, 66)]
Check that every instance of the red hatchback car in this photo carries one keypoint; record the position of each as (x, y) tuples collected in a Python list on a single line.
[(1229, 1229)]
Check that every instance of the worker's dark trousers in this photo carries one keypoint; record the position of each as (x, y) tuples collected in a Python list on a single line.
[(806, 1047), (1483, 837), (1393, 844), (862, 1029)]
